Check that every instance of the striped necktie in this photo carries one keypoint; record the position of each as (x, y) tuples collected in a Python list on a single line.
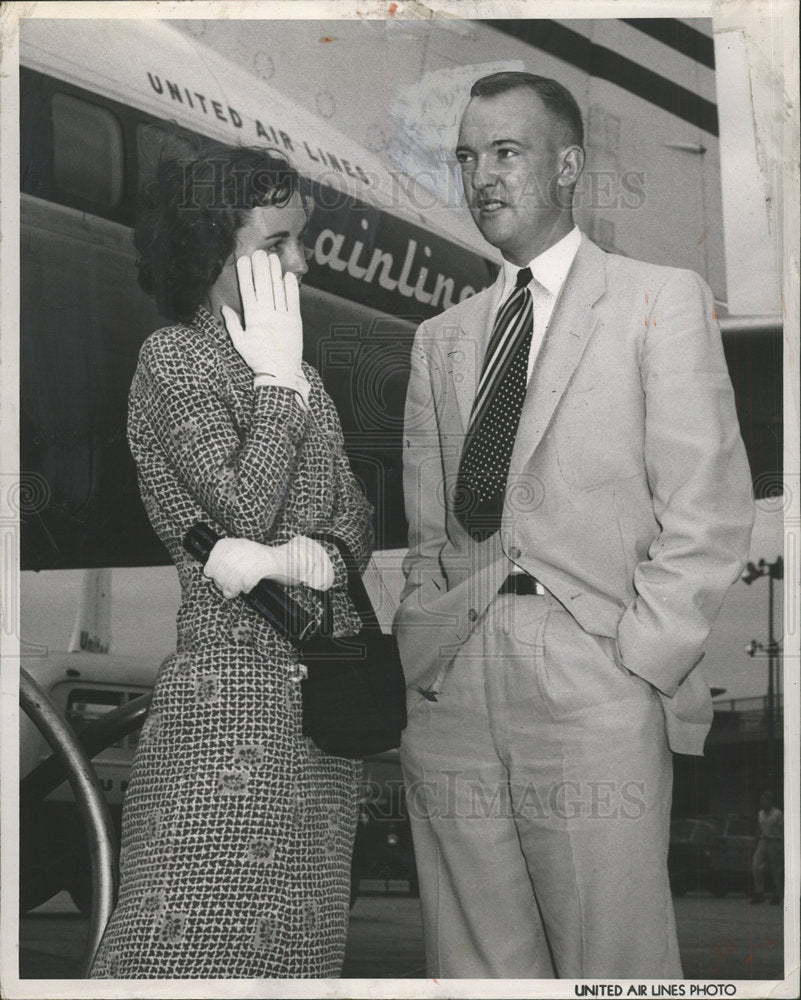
[(484, 466)]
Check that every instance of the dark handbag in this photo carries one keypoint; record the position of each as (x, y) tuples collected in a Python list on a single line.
[(354, 696)]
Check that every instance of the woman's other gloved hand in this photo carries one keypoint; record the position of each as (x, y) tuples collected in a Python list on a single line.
[(237, 564)]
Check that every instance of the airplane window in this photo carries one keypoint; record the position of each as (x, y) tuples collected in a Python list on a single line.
[(88, 151)]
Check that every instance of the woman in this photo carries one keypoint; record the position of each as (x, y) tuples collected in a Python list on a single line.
[(237, 831)]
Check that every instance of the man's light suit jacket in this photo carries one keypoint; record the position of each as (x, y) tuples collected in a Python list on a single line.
[(629, 493)]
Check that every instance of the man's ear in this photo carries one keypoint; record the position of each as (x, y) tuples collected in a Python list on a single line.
[(572, 163)]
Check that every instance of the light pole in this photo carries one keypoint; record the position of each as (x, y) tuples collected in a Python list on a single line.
[(773, 571)]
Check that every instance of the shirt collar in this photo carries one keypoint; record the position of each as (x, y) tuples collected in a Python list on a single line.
[(548, 268), (208, 324)]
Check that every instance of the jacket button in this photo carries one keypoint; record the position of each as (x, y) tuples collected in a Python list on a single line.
[(472, 614), (515, 552)]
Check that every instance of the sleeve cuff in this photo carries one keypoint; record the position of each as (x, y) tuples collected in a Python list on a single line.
[(337, 563), (297, 382)]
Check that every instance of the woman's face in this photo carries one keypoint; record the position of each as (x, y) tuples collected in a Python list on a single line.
[(270, 228)]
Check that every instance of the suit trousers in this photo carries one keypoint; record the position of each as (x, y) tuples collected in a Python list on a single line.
[(539, 788)]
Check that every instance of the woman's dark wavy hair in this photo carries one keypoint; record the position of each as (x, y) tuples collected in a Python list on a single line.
[(189, 215)]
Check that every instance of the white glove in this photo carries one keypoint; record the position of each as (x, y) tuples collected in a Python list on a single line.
[(237, 564), (271, 342)]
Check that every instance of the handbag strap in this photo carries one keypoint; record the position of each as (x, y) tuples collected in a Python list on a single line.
[(356, 588)]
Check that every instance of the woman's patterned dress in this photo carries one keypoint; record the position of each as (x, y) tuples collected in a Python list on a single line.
[(237, 831)]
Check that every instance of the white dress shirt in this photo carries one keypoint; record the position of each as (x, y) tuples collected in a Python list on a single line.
[(549, 270)]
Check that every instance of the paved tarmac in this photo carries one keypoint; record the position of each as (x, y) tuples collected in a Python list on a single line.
[(720, 939)]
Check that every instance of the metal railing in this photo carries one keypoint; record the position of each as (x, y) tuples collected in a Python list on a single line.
[(71, 760), (753, 704)]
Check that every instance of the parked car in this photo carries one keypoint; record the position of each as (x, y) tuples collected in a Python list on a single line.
[(383, 847), (689, 853), (83, 687), (730, 859)]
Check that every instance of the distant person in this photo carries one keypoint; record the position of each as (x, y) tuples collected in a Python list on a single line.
[(237, 831), (579, 502), (769, 853)]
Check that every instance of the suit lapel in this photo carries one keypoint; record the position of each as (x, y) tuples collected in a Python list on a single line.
[(570, 328)]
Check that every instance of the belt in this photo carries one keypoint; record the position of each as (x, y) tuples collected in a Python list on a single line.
[(522, 585)]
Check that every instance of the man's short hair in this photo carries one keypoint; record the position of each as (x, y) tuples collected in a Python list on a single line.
[(556, 97)]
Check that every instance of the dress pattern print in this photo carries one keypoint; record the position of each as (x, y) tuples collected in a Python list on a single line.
[(237, 831)]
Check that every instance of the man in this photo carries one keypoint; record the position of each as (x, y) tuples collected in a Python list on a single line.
[(579, 501), (769, 853)]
